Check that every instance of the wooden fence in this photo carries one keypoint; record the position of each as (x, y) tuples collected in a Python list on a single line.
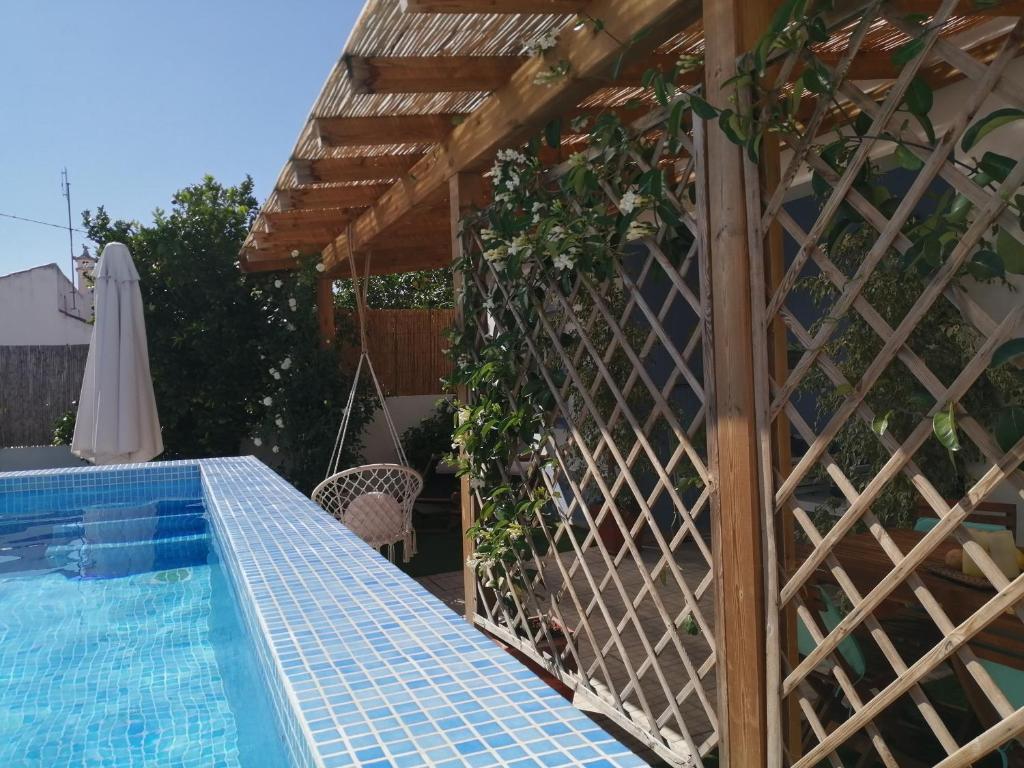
[(37, 385), (407, 348)]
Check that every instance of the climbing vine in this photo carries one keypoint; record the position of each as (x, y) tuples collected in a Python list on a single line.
[(545, 235)]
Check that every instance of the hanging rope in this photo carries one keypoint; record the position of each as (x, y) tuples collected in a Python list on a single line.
[(360, 287)]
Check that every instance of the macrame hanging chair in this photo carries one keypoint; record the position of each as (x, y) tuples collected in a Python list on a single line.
[(374, 501)]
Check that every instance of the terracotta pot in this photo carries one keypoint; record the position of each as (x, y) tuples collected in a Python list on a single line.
[(611, 535)]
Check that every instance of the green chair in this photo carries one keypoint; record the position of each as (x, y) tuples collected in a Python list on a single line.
[(925, 524), (849, 648)]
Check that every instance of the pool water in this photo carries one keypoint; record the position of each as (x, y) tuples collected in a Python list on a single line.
[(121, 644)]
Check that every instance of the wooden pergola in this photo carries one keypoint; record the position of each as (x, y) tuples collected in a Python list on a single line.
[(394, 151)]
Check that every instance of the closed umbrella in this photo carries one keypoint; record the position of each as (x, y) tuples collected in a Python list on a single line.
[(117, 420)]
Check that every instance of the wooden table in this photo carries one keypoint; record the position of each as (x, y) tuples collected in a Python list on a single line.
[(865, 562)]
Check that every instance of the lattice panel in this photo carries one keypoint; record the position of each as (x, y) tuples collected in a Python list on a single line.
[(884, 652), (621, 568)]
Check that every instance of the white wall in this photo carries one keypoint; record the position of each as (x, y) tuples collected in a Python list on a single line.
[(406, 412), (38, 307)]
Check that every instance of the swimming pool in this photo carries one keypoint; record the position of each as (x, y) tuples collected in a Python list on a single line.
[(258, 632), (121, 643)]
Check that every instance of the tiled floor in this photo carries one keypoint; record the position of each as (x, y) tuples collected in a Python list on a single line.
[(448, 588), (648, 630)]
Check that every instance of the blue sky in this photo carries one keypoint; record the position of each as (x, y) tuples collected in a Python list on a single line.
[(138, 99)]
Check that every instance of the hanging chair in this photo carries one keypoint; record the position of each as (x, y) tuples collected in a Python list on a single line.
[(374, 501)]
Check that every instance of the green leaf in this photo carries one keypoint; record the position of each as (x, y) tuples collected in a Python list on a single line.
[(880, 424), (929, 129), (617, 64), (907, 53), (862, 123), (702, 108), (997, 166), (908, 159), (816, 81), (1011, 251), (726, 124), (958, 210), (919, 97), (989, 123), (1009, 426), (553, 133), (675, 118), (1008, 352), (782, 16), (986, 265), (754, 148), (944, 427)]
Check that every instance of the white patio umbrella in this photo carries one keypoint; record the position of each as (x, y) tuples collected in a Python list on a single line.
[(117, 420)]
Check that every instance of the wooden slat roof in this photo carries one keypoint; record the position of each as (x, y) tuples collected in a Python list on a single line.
[(349, 165)]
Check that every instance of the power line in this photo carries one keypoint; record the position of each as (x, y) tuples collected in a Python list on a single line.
[(44, 223)]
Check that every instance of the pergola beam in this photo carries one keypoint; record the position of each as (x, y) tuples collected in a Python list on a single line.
[(330, 197), (300, 218), (385, 129), (455, 74), (359, 168), (520, 109), (430, 74), (492, 6)]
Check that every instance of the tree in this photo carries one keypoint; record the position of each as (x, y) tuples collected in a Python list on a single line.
[(428, 289), (212, 330)]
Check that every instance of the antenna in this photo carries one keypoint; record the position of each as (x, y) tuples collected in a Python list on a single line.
[(66, 191)]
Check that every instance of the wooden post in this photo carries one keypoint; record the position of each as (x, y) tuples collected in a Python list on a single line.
[(730, 28), (781, 451), (325, 310), (466, 191)]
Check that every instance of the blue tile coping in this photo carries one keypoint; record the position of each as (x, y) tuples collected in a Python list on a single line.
[(366, 668)]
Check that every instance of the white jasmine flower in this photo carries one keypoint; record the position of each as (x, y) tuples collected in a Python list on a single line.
[(268, 401), (320, 267), (494, 255), (292, 303), (279, 422), (295, 254), (639, 229), (565, 260), (543, 42), (276, 375), (275, 449), (519, 245), (489, 304), (556, 231), (577, 159), (273, 371), (278, 283), (511, 156), (257, 441), (629, 201), (290, 327), (286, 364)]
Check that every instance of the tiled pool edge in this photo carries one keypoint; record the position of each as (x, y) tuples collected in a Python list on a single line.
[(298, 738), (364, 667), (328, 560)]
